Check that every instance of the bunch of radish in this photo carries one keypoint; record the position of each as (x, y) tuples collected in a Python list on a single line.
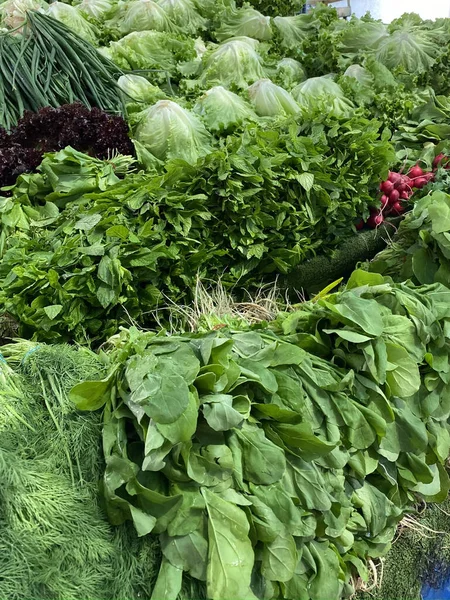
[(397, 190)]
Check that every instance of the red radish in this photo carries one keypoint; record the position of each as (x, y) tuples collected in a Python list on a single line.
[(407, 181), (405, 196), (359, 225), (428, 176), (397, 208), (402, 188), (394, 197), (440, 158), (394, 177), (375, 220), (387, 187), (420, 182), (384, 200), (414, 172)]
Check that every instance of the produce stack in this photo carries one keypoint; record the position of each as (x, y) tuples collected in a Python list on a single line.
[(161, 441)]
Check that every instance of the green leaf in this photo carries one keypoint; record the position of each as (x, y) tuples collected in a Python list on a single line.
[(230, 553), (184, 427), (168, 584), (424, 265), (263, 462), (91, 395), (439, 212), (143, 522), (188, 552), (309, 484), (53, 311), (364, 314), (106, 295), (322, 586), (404, 378), (87, 222), (360, 278), (279, 558), (164, 399), (118, 231), (301, 436), (350, 336), (306, 180), (219, 412), (376, 507)]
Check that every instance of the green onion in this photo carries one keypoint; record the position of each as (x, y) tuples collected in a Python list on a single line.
[(49, 65)]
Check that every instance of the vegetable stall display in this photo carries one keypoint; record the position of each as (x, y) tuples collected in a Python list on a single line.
[(147, 146)]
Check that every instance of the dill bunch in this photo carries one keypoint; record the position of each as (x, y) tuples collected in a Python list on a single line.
[(55, 541), (69, 439)]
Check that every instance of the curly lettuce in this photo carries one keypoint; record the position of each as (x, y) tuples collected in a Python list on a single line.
[(144, 15), (223, 111), (169, 131), (184, 14), (290, 72), (233, 64), (244, 22), (324, 95), (271, 100), (73, 18)]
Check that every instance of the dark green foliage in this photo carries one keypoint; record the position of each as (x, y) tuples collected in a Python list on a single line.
[(420, 250), (55, 542), (269, 454), (77, 264), (315, 274)]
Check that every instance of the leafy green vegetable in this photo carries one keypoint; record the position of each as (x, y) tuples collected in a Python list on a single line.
[(73, 18), (222, 110), (276, 463), (234, 64), (169, 131), (271, 100), (108, 249), (243, 22), (315, 92)]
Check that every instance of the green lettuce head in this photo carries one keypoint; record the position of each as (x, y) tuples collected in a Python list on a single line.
[(292, 31), (138, 89), (222, 110), (271, 100), (324, 95), (233, 64), (73, 18), (246, 22), (144, 15), (184, 14), (362, 75), (97, 9), (290, 72), (169, 131)]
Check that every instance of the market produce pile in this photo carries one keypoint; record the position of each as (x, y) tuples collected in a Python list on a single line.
[(155, 148)]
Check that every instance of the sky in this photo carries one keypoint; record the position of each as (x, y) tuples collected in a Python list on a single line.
[(387, 10)]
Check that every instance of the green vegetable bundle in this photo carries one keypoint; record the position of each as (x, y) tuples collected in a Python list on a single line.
[(50, 65), (274, 463), (83, 250)]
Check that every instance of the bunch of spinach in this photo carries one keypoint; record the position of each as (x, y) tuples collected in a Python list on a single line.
[(84, 251), (273, 463)]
